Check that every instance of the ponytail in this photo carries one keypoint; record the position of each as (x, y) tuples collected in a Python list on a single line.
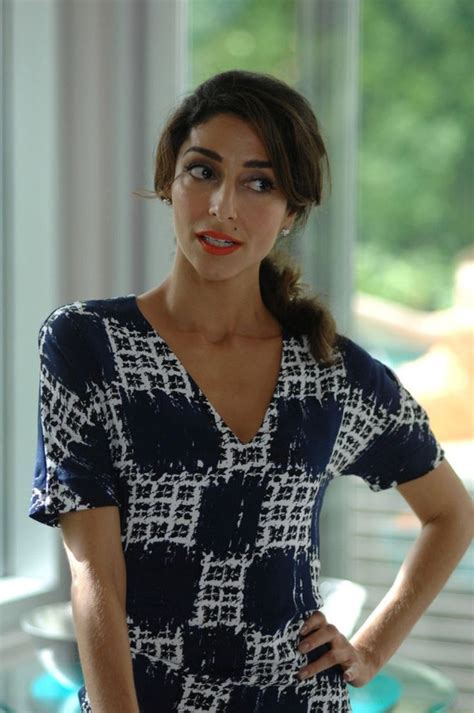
[(296, 309)]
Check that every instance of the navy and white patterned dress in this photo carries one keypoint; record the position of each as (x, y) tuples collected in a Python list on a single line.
[(220, 537)]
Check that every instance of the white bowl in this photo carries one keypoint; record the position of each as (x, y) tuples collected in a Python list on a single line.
[(52, 629)]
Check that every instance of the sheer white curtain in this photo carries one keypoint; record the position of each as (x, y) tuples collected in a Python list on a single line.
[(87, 86)]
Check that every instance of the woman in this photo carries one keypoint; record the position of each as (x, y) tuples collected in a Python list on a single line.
[(187, 436)]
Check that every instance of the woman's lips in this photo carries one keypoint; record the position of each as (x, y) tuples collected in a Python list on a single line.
[(217, 249), (218, 235)]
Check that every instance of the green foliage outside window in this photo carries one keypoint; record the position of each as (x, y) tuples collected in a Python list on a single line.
[(416, 108), (416, 158), (242, 34)]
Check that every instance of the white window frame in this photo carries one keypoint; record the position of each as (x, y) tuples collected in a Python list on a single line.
[(330, 80)]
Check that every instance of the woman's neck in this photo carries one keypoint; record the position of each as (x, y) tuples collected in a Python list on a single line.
[(217, 309)]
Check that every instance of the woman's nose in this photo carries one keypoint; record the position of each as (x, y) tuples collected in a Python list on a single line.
[(223, 202)]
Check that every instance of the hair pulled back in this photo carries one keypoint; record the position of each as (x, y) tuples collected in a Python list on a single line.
[(287, 127)]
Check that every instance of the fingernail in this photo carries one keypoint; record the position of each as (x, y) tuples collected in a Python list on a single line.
[(304, 629)]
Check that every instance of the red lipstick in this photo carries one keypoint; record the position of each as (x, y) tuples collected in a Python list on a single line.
[(213, 247)]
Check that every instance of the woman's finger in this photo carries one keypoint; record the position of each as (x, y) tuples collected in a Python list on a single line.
[(328, 660), (350, 673), (315, 621), (318, 637)]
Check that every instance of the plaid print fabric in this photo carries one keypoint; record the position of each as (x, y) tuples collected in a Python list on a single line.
[(220, 537)]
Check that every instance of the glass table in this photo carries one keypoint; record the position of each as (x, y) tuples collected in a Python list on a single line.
[(401, 687)]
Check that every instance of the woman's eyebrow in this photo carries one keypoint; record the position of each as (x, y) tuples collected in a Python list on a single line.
[(255, 163)]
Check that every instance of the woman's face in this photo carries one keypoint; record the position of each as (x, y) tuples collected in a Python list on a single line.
[(214, 190)]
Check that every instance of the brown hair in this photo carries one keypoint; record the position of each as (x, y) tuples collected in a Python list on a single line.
[(286, 125)]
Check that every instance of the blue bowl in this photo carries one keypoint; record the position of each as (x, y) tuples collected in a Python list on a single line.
[(377, 696)]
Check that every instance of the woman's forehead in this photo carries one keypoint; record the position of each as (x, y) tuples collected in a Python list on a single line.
[(226, 134)]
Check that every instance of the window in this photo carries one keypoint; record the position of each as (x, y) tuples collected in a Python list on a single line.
[(391, 83), (414, 297)]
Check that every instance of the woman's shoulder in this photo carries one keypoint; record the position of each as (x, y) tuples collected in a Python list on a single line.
[(81, 318), (345, 353), (353, 353), (73, 341), (361, 368)]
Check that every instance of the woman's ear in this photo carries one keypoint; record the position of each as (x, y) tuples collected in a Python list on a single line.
[(292, 216), (292, 213)]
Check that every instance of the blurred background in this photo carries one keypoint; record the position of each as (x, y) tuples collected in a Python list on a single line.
[(87, 86)]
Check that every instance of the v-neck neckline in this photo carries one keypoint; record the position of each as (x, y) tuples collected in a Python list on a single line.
[(221, 425)]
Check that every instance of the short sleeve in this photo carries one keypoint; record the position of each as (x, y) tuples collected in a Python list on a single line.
[(73, 469), (385, 435)]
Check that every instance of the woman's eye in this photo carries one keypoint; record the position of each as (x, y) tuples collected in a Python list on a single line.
[(265, 184), (202, 172), (195, 169)]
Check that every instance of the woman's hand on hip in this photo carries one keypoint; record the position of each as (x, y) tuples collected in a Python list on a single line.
[(356, 664)]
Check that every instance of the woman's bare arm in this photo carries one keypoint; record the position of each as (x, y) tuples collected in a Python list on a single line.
[(94, 550), (444, 508)]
